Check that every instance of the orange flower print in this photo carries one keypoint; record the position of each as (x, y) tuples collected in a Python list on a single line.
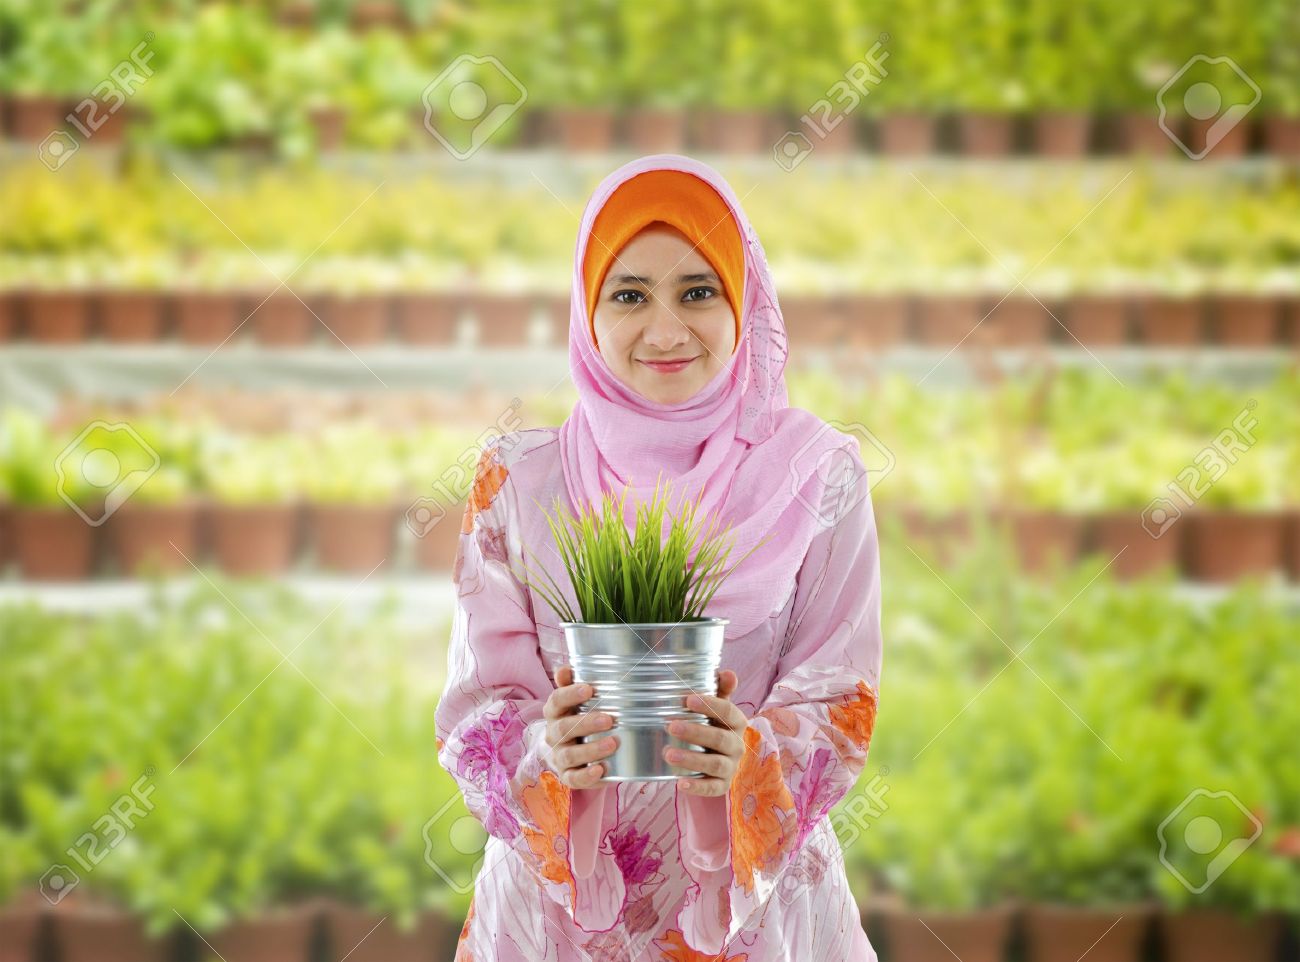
[(675, 949), (488, 478), (462, 950), (856, 718), (547, 831), (761, 808)]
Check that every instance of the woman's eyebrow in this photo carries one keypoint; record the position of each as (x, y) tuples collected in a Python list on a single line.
[(638, 279)]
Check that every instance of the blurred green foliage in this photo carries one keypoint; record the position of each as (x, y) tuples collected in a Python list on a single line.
[(1034, 735), (272, 754), (228, 73)]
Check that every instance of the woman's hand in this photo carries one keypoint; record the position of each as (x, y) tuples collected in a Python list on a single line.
[(723, 736), (575, 761)]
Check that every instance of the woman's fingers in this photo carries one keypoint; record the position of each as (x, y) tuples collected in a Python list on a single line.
[(707, 763), (707, 736), (704, 787), (564, 700), (569, 727), (577, 754), (722, 711), (582, 777)]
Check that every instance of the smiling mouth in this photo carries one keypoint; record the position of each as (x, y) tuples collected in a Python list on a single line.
[(669, 367)]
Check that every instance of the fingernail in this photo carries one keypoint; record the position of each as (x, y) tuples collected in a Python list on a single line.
[(674, 755), (675, 727), (684, 783), (607, 743)]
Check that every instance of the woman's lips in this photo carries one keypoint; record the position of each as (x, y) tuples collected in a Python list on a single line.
[(668, 367)]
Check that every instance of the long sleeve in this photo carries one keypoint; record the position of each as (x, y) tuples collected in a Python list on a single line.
[(805, 746), (489, 724)]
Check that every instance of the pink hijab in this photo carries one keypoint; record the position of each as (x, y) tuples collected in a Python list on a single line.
[(757, 462)]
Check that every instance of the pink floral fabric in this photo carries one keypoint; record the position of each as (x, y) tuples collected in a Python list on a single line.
[(638, 871)]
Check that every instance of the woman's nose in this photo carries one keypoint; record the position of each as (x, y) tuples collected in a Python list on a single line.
[(664, 330)]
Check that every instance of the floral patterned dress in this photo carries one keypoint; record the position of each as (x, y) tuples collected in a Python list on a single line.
[(637, 870)]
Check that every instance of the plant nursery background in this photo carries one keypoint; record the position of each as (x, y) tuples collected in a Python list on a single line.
[(271, 273)]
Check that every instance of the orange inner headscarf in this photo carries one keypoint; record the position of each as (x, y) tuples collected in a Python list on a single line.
[(681, 200)]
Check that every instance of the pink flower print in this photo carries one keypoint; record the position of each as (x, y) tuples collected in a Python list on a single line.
[(488, 751), (638, 865)]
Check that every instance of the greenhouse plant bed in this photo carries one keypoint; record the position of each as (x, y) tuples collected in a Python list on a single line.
[(1245, 320), (585, 130), (436, 549), (87, 930), (1169, 321), (52, 543), (1292, 544), (734, 131), (58, 316), (986, 135), (281, 320), (946, 321), (206, 317), (1214, 935), (906, 135), (277, 935), (427, 317), (363, 936), (651, 130), (1061, 134), (8, 316), (1226, 545), (1120, 535), (1098, 320), (876, 320), (131, 317), (155, 537), (1066, 933), (21, 920), (355, 538), (33, 117), (357, 320), (813, 319), (502, 319), (253, 539), (1016, 321), (1044, 538), (919, 935), (1282, 136), (1141, 133)]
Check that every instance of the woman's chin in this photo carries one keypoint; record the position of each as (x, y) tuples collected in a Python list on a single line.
[(661, 393)]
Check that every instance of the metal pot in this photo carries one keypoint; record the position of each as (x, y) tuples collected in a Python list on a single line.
[(642, 674)]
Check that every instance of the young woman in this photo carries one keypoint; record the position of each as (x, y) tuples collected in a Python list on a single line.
[(677, 348)]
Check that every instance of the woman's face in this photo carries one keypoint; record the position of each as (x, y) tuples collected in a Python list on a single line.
[(663, 323)]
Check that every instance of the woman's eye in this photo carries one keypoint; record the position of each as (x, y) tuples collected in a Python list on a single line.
[(637, 295), (706, 293)]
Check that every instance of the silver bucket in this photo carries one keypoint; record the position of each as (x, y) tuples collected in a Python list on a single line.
[(642, 674)]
